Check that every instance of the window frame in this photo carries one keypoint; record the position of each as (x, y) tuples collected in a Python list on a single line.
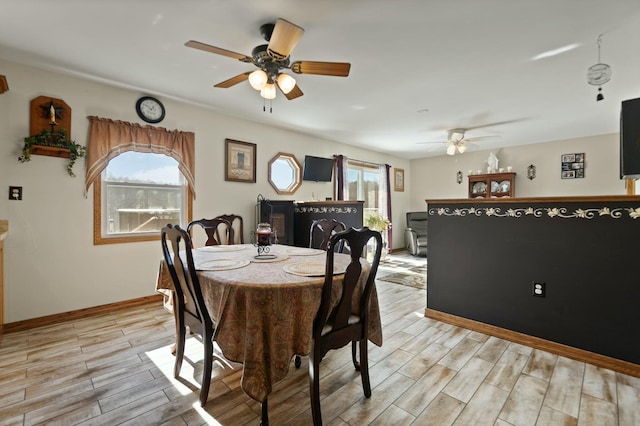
[(98, 239)]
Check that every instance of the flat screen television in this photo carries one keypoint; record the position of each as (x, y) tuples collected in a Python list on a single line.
[(317, 169), (630, 139)]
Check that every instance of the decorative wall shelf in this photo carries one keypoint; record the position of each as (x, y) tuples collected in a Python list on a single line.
[(51, 151), (50, 132), (40, 117)]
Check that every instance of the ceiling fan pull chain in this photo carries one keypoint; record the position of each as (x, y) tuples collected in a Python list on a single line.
[(264, 106)]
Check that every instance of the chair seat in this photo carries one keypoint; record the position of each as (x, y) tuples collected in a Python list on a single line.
[(353, 319)]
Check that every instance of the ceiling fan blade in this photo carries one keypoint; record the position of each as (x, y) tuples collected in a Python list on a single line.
[(499, 123), (338, 69), (218, 51), (233, 80), (293, 93), (284, 38), (478, 138)]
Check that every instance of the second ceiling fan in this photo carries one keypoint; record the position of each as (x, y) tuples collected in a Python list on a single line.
[(456, 140), (272, 58)]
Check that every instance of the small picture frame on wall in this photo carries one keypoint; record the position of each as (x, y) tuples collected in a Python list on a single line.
[(398, 180), (240, 161), (572, 166)]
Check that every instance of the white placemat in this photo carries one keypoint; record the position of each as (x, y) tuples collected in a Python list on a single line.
[(311, 269), (221, 264), (299, 251), (222, 248)]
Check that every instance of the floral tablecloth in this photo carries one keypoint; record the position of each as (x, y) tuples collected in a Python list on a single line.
[(263, 314)]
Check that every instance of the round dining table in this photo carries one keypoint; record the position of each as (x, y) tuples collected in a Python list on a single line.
[(263, 307)]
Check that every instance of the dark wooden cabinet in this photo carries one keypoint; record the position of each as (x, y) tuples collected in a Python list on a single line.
[(347, 212), (291, 220), (492, 185), (280, 215)]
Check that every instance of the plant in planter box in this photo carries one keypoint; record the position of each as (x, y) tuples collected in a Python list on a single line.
[(55, 139)]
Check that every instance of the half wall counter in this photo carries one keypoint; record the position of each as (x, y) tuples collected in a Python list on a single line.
[(559, 274)]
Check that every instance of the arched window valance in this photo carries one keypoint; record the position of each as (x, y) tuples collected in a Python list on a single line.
[(109, 138)]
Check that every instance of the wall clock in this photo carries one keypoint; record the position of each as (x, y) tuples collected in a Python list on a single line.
[(150, 109)]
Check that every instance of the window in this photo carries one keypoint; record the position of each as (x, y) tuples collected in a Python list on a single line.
[(139, 193), (284, 173), (364, 184)]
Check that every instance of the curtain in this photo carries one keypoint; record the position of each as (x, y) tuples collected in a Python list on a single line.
[(342, 185), (109, 138), (384, 172)]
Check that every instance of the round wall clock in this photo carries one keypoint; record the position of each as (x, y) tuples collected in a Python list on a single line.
[(150, 109)]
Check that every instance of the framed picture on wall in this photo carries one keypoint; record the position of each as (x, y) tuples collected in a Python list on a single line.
[(240, 161), (572, 166), (398, 180)]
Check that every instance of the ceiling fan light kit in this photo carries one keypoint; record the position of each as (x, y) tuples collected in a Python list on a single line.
[(286, 83), (268, 91), (258, 79)]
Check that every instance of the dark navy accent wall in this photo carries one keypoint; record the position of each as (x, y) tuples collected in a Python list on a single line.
[(484, 256)]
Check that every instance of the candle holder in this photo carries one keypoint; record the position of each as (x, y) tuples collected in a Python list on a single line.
[(263, 241), (52, 117)]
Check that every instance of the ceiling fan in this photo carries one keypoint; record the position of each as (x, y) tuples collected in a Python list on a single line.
[(456, 140), (272, 58)]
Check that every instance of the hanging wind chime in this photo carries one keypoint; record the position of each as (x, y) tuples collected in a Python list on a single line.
[(599, 74)]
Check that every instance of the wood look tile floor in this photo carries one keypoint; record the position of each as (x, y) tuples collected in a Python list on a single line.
[(116, 368)]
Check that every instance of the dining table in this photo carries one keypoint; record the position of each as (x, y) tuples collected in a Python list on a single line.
[(263, 306)]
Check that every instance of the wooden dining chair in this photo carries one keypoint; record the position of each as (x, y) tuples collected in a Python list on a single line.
[(219, 231), (321, 231), (189, 306), (236, 224), (336, 326)]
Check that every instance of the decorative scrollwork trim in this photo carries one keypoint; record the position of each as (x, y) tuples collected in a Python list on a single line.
[(552, 212)]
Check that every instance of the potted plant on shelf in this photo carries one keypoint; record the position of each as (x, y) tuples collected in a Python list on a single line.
[(53, 143)]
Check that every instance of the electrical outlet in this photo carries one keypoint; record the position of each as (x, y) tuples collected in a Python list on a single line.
[(539, 289), (15, 193)]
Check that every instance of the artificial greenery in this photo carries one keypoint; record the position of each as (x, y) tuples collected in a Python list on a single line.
[(374, 220), (57, 139)]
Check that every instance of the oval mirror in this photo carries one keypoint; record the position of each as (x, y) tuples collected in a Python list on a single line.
[(285, 173)]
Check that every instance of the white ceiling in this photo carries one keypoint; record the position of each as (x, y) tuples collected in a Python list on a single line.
[(418, 68)]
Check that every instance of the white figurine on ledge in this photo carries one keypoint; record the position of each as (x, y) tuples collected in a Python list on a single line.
[(493, 162)]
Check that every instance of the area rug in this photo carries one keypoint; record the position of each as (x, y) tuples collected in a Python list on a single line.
[(414, 277)]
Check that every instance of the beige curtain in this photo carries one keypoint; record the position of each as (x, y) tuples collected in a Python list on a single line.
[(109, 138)]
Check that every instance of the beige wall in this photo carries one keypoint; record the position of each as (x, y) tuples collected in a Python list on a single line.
[(51, 264), (436, 177)]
